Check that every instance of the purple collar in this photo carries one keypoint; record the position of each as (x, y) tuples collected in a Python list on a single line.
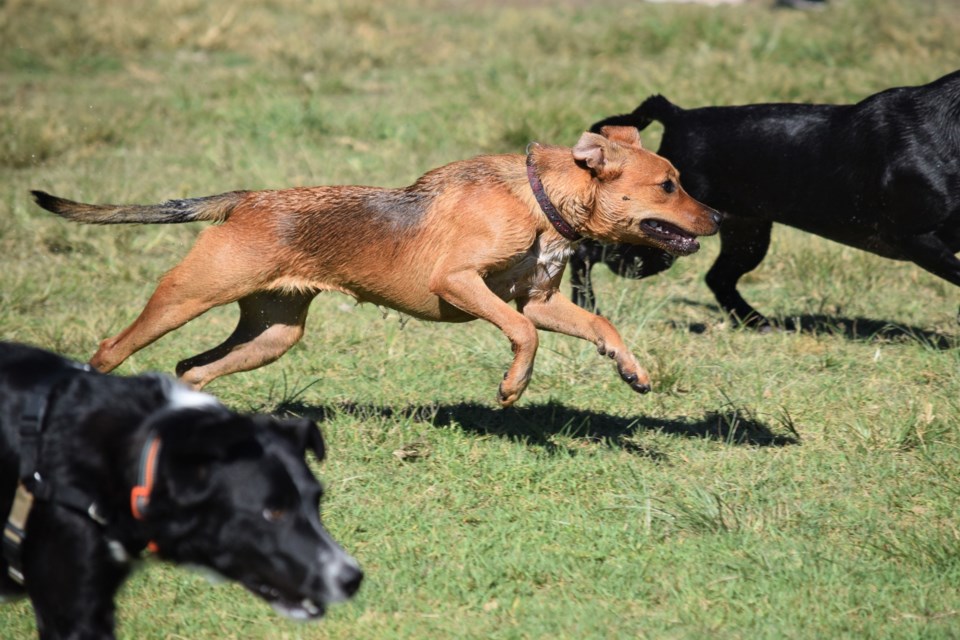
[(563, 227)]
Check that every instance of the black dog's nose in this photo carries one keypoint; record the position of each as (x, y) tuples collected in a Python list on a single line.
[(349, 580)]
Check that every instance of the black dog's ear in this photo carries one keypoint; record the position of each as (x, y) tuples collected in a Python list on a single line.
[(305, 434)]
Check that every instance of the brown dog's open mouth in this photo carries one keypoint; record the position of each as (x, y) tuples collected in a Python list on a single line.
[(670, 237)]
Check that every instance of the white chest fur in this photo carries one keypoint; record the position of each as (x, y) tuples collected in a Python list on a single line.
[(535, 273)]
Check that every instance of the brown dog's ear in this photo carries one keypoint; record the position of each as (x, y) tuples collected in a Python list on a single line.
[(592, 150), (600, 154), (629, 136)]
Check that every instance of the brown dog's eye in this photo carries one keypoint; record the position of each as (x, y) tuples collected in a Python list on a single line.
[(274, 515), (669, 186)]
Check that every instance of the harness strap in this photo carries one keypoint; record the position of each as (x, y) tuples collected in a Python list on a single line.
[(31, 422), (69, 498), (32, 487), (15, 531)]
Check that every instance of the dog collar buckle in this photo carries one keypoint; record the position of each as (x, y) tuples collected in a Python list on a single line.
[(563, 227)]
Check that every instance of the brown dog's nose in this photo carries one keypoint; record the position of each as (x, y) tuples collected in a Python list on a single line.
[(716, 216)]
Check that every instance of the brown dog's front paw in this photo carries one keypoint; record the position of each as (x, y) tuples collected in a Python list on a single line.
[(638, 380), (512, 388), (506, 399), (635, 383), (101, 360)]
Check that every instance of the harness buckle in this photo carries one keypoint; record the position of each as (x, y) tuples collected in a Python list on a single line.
[(15, 531), (94, 514)]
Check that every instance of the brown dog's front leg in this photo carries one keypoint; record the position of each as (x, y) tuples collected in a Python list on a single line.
[(556, 313), (467, 291)]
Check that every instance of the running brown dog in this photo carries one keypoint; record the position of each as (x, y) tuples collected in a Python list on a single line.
[(458, 244)]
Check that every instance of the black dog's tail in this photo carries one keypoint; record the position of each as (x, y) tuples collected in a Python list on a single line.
[(653, 108), (211, 208)]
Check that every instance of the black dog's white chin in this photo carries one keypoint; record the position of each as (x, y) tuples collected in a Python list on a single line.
[(670, 237), (302, 610)]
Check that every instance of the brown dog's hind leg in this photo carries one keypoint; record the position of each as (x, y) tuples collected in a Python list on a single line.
[(467, 291), (168, 309), (270, 323), (559, 315), (222, 267)]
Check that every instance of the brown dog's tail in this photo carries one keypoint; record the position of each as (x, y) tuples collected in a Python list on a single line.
[(653, 108), (211, 208)]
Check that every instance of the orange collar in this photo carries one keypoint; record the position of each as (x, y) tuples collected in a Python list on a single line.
[(140, 494)]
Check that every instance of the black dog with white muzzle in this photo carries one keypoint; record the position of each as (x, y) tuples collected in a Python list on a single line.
[(96, 468)]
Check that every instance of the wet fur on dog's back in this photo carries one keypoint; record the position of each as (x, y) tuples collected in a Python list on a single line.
[(459, 244), (227, 490), (882, 175)]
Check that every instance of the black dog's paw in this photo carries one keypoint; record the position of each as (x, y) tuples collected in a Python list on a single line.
[(752, 320)]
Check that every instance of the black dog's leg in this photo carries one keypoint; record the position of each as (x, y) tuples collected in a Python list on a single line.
[(581, 262), (71, 577), (931, 253), (638, 261), (934, 256), (632, 261), (743, 245)]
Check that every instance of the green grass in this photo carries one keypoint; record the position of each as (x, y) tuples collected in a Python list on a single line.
[(801, 484)]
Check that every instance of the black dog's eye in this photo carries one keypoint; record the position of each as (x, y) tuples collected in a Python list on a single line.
[(669, 186), (274, 515)]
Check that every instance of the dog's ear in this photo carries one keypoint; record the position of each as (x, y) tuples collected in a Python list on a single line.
[(629, 136), (600, 153), (591, 150), (305, 434)]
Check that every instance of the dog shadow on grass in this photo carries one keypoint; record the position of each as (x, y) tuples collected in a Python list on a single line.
[(561, 429), (858, 329), (867, 329)]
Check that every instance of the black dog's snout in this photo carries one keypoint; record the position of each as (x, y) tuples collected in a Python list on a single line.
[(349, 580)]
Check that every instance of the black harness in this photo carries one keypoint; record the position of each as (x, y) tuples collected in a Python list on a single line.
[(32, 486)]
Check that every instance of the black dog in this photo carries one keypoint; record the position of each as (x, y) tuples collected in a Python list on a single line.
[(882, 175), (114, 464), (634, 261)]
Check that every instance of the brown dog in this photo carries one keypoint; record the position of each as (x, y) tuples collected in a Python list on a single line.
[(458, 244)]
